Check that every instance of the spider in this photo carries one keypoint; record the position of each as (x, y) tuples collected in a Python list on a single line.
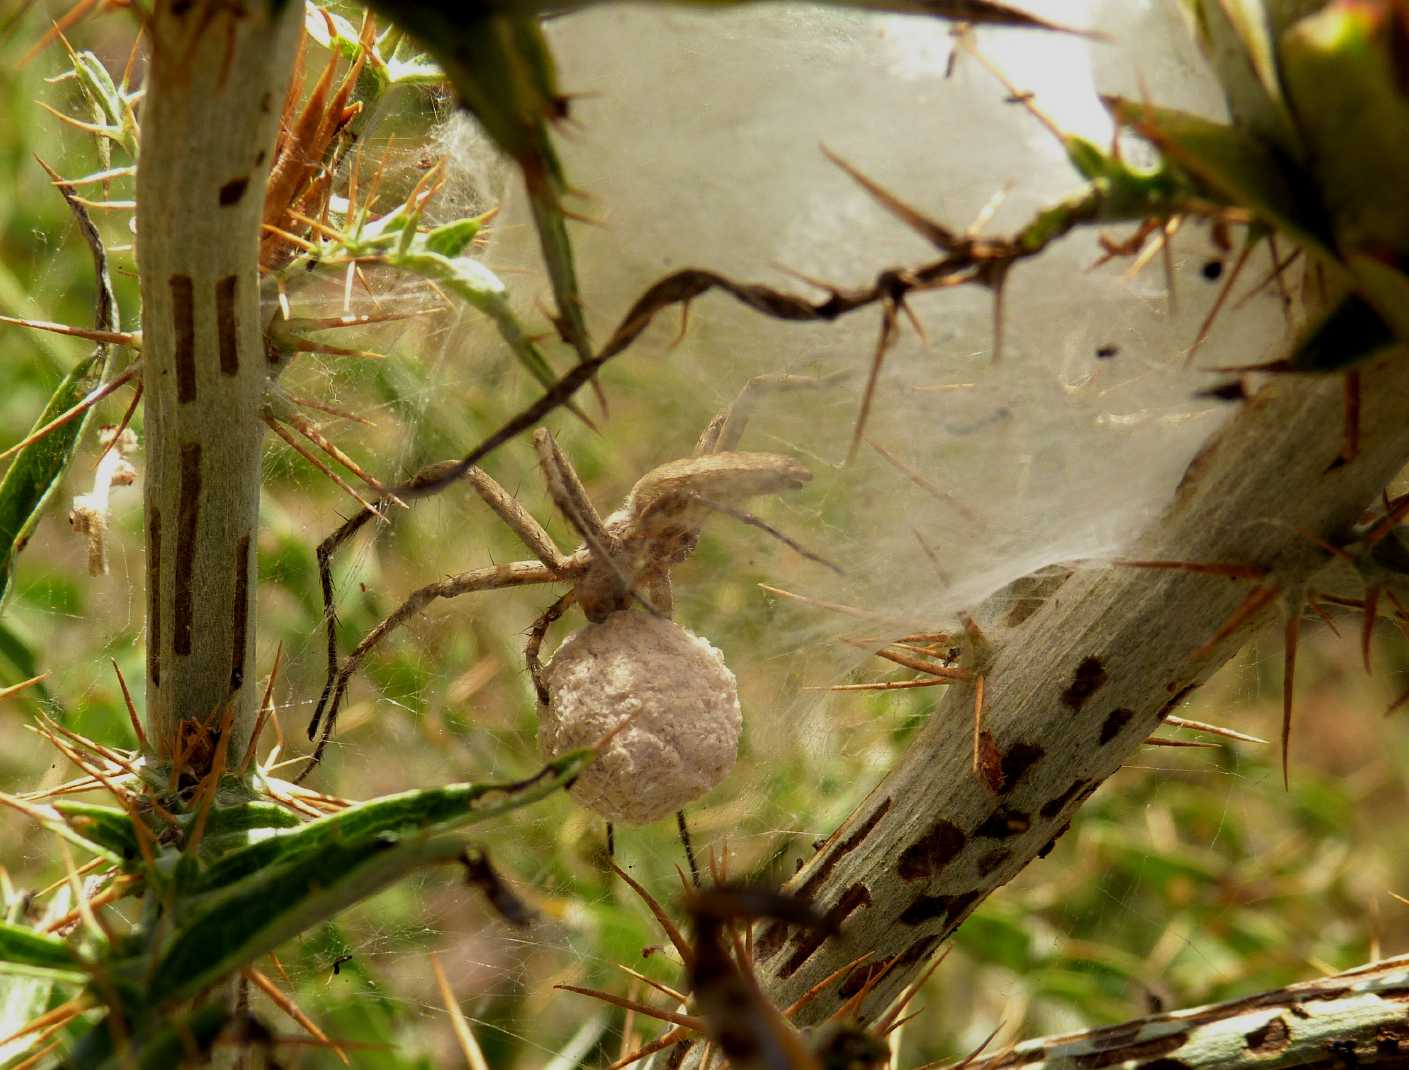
[(625, 558)]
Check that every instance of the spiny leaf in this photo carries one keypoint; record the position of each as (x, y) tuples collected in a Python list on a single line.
[(24, 951), (1239, 38), (107, 826), (1234, 168), (158, 1045), (254, 899), (1344, 78)]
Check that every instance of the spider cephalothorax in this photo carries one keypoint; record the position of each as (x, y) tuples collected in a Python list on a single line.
[(659, 525)]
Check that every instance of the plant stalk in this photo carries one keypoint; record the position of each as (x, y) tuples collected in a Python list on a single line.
[(1075, 688), (215, 86)]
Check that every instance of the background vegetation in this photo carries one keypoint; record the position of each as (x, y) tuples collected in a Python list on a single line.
[(1190, 877)]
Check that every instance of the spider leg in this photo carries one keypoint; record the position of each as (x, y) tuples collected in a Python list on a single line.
[(568, 493), (425, 482), (689, 849), (519, 520), (535, 643), (516, 574), (570, 496), (723, 433)]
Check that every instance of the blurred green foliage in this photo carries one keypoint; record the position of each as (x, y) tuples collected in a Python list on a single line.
[(1189, 877)]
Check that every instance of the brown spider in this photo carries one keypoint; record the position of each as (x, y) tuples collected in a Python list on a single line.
[(623, 559)]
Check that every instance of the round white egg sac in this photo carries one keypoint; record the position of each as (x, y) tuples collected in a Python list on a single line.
[(681, 702)]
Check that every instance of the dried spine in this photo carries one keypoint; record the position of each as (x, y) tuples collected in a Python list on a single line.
[(217, 75)]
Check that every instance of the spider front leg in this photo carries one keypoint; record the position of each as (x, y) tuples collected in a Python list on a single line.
[(517, 574), (609, 583), (723, 433)]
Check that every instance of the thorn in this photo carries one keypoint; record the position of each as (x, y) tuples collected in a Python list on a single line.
[(665, 1040), (664, 989), (892, 1017), (121, 424), (1223, 291), (884, 685), (1212, 729), (838, 607), (464, 1036), (312, 459), (266, 710), (682, 946), (319, 406), (919, 479), (1320, 611), (15, 689), (935, 233), (94, 396), (1367, 624), (286, 1004), (128, 339), (883, 343), (1387, 523), (311, 432), (942, 672), (57, 30), (1190, 744), (822, 985), (687, 1020), (131, 708), (1255, 601)]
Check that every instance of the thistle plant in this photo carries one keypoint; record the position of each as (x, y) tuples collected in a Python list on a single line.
[(250, 192)]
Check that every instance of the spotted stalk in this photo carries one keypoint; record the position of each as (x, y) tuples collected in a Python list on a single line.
[(215, 86)]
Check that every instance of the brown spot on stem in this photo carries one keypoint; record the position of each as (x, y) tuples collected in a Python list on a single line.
[(1173, 704), (232, 191), (946, 908), (856, 896), (242, 607), (1050, 844), (1145, 1049), (772, 938), (226, 291), (1090, 677), (1003, 823), (992, 860), (919, 951), (1052, 807), (856, 980), (931, 852), (1270, 1039), (1020, 758), (187, 521), (183, 325), (154, 598), (1115, 721)]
